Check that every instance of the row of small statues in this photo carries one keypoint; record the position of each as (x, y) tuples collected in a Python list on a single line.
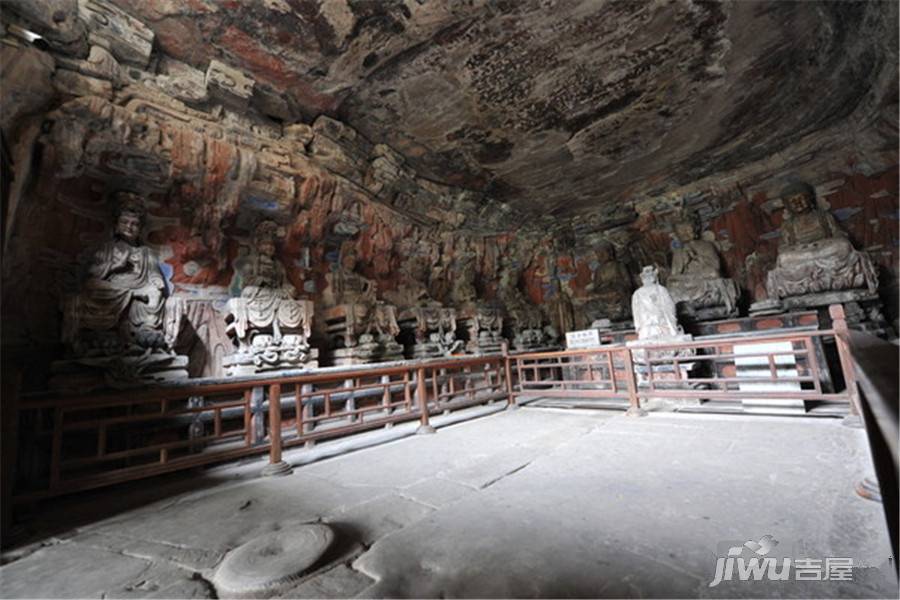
[(121, 313)]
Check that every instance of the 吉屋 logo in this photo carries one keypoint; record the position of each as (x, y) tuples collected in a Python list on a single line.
[(760, 566)]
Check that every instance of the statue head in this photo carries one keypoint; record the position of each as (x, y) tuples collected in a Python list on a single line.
[(264, 238), (649, 275), (798, 197), (686, 229), (605, 251), (130, 216)]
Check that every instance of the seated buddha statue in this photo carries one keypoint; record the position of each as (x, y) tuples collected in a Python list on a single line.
[(268, 322), (428, 328), (357, 296), (610, 287), (346, 285), (696, 281), (814, 255), (524, 319), (119, 320), (121, 301)]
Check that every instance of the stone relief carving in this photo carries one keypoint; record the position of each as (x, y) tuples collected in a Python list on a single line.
[(814, 255), (360, 327), (217, 151), (269, 325), (695, 280), (428, 328), (610, 287), (523, 319), (482, 324), (121, 318)]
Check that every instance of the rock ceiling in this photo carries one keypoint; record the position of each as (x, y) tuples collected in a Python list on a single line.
[(557, 107)]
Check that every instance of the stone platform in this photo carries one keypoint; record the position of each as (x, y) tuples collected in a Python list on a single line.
[(525, 503), (83, 375), (370, 349)]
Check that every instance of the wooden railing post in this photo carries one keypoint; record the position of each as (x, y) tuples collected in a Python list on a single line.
[(510, 389), (276, 465), (257, 419), (634, 408), (422, 400), (842, 341)]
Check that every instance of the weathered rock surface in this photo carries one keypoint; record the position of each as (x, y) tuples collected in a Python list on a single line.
[(616, 99), (536, 131)]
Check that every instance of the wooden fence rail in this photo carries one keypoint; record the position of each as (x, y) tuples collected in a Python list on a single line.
[(68, 444)]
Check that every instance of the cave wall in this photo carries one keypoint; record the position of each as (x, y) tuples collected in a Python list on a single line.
[(745, 225), (81, 126), (96, 106)]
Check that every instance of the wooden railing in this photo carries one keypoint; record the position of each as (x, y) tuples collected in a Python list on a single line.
[(77, 443), (68, 444), (785, 366)]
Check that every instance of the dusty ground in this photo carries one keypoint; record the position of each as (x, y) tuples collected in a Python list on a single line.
[(525, 503)]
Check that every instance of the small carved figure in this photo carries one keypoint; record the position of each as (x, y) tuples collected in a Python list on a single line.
[(463, 292), (346, 285), (428, 329), (411, 290), (696, 280), (814, 254)]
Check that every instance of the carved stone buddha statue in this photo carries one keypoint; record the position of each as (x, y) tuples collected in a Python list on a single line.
[(270, 326), (482, 324), (121, 318), (610, 287), (523, 318), (412, 290), (696, 283), (346, 285), (814, 255), (428, 329), (355, 315), (462, 291)]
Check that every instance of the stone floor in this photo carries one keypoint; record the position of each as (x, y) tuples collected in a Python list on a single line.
[(526, 503)]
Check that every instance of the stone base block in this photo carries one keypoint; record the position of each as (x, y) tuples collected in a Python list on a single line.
[(424, 350), (368, 352), (81, 375), (710, 313), (529, 340), (246, 364), (827, 298)]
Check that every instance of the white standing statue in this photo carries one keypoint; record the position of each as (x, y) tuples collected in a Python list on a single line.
[(653, 309), (660, 337)]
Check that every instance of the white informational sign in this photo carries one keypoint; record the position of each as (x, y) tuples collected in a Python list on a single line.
[(758, 366), (585, 338)]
